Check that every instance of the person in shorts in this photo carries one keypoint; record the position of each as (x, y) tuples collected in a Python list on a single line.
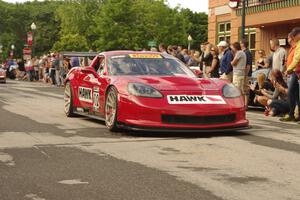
[(239, 66)]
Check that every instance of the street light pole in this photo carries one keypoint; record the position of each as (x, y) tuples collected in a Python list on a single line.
[(12, 50), (189, 40), (244, 2), (33, 28), (1, 53)]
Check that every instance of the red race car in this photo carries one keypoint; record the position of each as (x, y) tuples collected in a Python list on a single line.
[(153, 92)]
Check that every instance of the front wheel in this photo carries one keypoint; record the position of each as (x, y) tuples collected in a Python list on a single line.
[(111, 109), (68, 97)]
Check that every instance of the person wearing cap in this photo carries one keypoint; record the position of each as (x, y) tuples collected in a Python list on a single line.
[(225, 62), (293, 63)]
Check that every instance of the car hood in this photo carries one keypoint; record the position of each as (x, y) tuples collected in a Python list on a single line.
[(174, 83)]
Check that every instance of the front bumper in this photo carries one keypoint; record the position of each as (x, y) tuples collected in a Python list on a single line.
[(137, 113)]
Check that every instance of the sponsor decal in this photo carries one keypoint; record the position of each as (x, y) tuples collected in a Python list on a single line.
[(195, 99), (96, 104), (85, 94), (144, 55)]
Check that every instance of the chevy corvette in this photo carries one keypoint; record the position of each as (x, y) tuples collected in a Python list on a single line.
[(151, 92)]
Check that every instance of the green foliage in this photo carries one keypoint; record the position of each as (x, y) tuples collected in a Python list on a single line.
[(71, 42), (130, 24), (198, 26), (79, 25), (15, 22)]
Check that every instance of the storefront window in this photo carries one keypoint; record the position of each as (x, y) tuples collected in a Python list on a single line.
[(224, 30), (250, 34)]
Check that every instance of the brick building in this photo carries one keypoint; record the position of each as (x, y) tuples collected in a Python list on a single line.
[(265, 19)]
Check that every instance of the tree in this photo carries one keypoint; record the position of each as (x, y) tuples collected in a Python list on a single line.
[(15, 22), (198, 26), (71, 42), (98, 24), (130, 24)]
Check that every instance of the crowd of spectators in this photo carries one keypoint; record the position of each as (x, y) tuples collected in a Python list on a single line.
[(51, 68), (275, 86)]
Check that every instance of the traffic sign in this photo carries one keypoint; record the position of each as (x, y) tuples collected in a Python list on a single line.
[(152, 43)]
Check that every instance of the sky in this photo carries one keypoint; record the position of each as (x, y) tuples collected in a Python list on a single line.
[(194, 5)]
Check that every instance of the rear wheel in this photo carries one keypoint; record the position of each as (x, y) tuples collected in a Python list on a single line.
[(68, 97), (111, 109)]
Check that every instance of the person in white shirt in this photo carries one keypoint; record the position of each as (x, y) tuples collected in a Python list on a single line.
[(279, 56)]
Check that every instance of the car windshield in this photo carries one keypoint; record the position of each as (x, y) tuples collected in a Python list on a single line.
[(146, 64)]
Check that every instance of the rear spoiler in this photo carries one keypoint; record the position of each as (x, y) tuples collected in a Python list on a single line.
[(78, 54), (84, 55)]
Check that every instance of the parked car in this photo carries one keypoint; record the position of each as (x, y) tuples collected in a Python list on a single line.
[(151, 92), (2, 75)]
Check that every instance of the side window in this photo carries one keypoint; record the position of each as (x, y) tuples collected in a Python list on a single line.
[(101, 63)]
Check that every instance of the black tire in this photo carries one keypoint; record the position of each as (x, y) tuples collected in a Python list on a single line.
[(69, 110), (111, 98)]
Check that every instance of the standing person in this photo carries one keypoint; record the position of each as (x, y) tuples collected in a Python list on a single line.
[(279, 56), (293, 62), (41, 68), (75, 62), (180, 48), (178, 54), (22, 71), (47, 69), (35, 62), (239, 63), (262, 61), (202, 55), (186, 56), (194, 60), (67, 66), (29, 70), (56, 67), (52, 69), (62, 71), (153, 49), (162, 48), (207, 59), (213, 72), (225, 63), (170, 49), (248, 72)]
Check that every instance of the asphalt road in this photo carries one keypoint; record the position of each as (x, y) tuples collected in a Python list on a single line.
[(47, 156)]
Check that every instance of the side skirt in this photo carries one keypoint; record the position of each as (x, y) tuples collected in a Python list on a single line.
[(86, 113)]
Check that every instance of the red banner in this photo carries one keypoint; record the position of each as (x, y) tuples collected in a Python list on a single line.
[(29, 38)]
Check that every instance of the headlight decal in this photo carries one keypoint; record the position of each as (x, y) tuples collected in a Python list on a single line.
[(143, 90)]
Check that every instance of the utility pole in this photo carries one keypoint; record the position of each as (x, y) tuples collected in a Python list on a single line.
[(244, 2)]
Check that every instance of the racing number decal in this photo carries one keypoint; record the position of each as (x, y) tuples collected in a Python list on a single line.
[(96, 104)]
